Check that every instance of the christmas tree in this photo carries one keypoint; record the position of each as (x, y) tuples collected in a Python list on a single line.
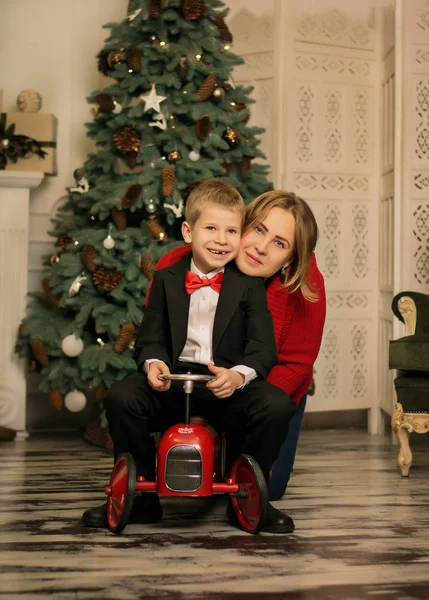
[(170, 118)]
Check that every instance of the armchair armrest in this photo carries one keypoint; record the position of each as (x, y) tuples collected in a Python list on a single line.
[(407, 308), (412, 308)]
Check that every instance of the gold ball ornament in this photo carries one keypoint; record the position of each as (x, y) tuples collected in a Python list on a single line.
[(114, 57), (218, 94), (174, 156), (232, 137)]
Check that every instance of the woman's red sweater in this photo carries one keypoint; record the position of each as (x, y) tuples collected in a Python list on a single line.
[(298, 327)]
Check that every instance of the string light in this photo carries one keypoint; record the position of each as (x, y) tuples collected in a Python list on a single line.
[(232, 103), (76, 243), (100, 342), (198, 56), (226, 47), (162, 43)]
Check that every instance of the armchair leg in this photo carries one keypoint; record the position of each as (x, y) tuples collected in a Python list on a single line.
[(405, 457)]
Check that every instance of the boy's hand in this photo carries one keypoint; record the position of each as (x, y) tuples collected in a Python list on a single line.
[(155, 369), (226, 381)]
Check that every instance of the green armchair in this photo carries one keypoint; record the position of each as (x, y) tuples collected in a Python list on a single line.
[(410, 356)]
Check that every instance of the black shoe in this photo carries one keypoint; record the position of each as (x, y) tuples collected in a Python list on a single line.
[(146, 509), (276, 522)]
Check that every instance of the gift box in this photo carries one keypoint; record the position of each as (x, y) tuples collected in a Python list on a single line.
[(43, 129)]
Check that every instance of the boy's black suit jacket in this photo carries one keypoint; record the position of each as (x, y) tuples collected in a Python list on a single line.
[(243, 331)]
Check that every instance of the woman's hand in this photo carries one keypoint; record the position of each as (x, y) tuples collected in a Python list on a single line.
[(157, 368), (226, 381)]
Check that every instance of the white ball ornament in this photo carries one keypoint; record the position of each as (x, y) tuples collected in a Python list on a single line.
[(109, 243), (194, 155), (151, 208), (75, 401), (117, 109), (72, 345)]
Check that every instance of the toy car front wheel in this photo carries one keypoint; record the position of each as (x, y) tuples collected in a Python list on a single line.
[(122, 488), (251, 503)]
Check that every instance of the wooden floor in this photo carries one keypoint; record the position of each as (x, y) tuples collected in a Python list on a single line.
[(361, 530)]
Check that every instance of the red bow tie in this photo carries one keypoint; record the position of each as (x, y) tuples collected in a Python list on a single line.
[(194, 282)]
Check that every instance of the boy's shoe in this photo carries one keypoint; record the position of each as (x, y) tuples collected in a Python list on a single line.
[(146, 509), (277, 521)]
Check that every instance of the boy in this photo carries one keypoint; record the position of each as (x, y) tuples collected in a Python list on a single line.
[(203, 316)]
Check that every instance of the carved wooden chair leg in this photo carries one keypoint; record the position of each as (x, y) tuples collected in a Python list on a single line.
[(405, 456)]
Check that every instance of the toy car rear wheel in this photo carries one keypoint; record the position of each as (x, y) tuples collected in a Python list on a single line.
[(251, 503), (121, 499)]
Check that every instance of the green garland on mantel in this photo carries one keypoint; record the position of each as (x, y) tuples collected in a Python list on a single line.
[(13, 147)]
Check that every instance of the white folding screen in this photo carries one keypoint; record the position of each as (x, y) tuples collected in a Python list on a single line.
[(332, 163)]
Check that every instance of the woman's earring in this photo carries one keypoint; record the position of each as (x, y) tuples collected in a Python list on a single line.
[(283, 269)]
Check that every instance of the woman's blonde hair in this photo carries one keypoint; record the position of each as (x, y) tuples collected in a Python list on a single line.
[(294, 276)]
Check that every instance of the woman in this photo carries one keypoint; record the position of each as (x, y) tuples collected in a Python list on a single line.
[(278, 241)]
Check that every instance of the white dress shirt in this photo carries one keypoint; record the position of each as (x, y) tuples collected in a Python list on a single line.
[(202, 310)]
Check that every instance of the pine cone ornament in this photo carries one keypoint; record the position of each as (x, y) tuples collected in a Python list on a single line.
[(225, 34), (183, 68), (48, 292), (155, 8), (245, 164), (39, 351), (89, 254), (105, 102), (148, 266), (63, 241), (125, 337), (56, 399), (203, 127), (119, 218), (106, 279), (100, 391), (157, 230), (127, 139), (133, 59), (168, 180), (131, 195), (193, 10), (232, 137), (207, 87), (102, 63)]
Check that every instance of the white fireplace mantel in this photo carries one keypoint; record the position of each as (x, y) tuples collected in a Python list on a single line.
[(15, 189)]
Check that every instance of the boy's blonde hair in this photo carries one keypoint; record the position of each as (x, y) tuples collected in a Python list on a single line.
[(214, 192), (294, 276)]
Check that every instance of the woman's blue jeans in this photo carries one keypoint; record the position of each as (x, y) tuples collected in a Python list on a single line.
[(283, 466)]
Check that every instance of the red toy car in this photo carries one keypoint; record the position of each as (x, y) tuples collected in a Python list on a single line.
[(190, 463)]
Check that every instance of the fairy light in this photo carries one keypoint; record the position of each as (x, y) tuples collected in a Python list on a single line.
[(76, 243), (198, 56), (162, 43), (100, 342), (226, 47)]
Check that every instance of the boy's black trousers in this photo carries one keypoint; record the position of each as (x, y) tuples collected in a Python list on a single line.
[(255, 417)]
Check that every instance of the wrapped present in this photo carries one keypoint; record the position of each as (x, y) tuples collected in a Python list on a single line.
[(43, 129)]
